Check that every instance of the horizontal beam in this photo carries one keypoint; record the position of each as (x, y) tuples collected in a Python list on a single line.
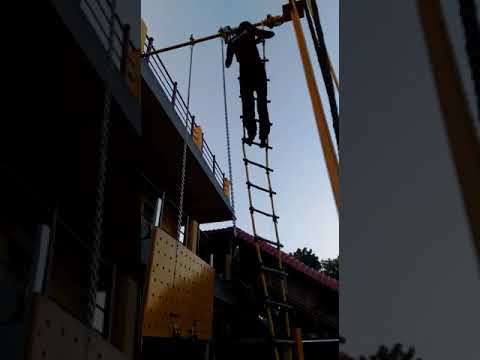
[(269, 21), (252, 341)]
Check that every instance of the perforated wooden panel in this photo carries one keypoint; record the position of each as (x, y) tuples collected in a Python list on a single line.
[(57, 335), (180, 293)]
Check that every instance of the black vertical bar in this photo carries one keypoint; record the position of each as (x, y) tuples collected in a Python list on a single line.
[(51, 247), (214, 164), (193, 125), (125, 50), (112, 302), (150, 44), (174, 95)]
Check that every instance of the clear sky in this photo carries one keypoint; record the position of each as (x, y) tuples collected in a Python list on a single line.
[(308, 217)]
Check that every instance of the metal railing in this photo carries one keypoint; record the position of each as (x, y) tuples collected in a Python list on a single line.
[(170, 88), (99, 13)]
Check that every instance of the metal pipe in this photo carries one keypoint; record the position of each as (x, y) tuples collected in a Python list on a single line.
[(321, 341), (219, 34)]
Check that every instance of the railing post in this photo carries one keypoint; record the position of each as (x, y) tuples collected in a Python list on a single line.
[(174, 95), (125, 50), (150, 45), (193, 125), (52, 241), (214, 164)]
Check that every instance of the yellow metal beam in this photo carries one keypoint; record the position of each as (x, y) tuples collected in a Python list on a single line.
[(334, 76), (192, 237), (325, 137), (299, 344), (458, 120)]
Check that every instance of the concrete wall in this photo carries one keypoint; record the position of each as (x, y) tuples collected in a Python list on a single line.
[(408, 267)]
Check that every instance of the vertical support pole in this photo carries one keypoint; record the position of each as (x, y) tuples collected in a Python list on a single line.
[(192, 237), (325, 138), (111, 305), (214, 164), (41, 259), (299, 344), (150, 45), (174, 94), (185, 230), (159, 211), (193, 125), (51, 247), (228, 265), (125, 50)]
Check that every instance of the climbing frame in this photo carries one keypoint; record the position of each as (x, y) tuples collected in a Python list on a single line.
[(58, 335), (179, 296)]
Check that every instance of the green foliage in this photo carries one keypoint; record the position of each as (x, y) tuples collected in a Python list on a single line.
[(327, 266), (330, 267), (307, 257), (383, 353)]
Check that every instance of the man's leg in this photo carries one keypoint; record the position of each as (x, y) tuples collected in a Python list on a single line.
[(261, 90), (248, 106), (262, 109)]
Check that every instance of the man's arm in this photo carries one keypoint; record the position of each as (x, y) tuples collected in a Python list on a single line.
[(263, 34), (229, 59)]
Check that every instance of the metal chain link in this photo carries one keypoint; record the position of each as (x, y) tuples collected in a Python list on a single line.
[(102, 170), (227, 131), (183, 170)]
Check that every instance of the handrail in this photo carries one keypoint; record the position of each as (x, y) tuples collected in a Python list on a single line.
[(170, 88), (101, 19)]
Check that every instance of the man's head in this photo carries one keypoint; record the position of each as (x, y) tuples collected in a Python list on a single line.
[(244, 26)]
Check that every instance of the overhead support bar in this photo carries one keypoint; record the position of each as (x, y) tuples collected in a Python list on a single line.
[(269, 21)]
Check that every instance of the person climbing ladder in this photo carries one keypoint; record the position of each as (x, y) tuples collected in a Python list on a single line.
[(253, 78)]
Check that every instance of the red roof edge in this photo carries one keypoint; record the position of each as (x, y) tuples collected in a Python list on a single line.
[(286, 258)]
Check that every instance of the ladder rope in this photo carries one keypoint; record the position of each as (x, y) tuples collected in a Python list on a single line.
[(227, 132), (269, 303)]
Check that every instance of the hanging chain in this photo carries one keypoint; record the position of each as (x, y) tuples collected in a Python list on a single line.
[(102, 170), (227, 131), (184, 166), (184, 154)]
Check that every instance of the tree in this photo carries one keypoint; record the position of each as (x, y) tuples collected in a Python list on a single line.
[(327, 266), (330, 267), (383, 353), (307, 257)]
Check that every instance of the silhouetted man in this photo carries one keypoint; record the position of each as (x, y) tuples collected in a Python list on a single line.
[(252, 78)]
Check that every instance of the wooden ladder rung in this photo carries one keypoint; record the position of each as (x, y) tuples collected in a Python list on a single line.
[(261, 188), (257, 164)]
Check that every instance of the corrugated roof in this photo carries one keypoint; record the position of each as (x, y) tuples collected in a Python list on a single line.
[(286, 258)]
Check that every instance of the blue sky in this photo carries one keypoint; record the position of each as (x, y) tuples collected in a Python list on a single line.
[(308, 217)]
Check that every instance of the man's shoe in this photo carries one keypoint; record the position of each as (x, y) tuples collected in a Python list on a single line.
[(250, 138), (263, 143)]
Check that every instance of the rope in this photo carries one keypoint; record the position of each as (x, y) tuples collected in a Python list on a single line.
[(324, 61), (227, 132), (468, 13)]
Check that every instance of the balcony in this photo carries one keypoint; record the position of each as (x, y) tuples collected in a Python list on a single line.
[(167, 124), (89, 25)]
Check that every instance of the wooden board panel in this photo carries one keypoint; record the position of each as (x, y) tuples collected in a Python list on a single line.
[(56, 335), (180, 291)]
